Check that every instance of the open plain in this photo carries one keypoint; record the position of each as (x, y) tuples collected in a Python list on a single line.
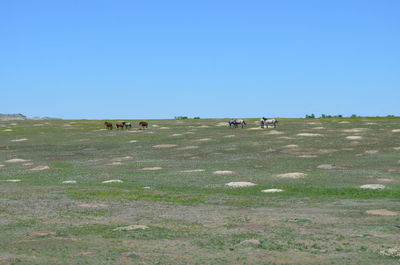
[(312, 191)]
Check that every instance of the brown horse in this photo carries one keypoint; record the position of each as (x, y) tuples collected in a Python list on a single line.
[(144, 124), (120, 125), (108, 125)]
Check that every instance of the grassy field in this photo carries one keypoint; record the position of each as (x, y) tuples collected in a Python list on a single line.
[(194, 217)]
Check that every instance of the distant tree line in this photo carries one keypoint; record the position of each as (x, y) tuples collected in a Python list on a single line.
[(324, 116), (185, 118)]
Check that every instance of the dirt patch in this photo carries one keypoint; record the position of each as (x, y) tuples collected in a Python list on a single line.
[(151, 168), (13, 180), (113, 181), (16, 160), (371, 152), (223, 172), (115, 164), (307, 156), (40, 168), (193, 170), (391, 252), (203, 140), (293, 175), (396, 130), (86, 253), (132, 141), (240, 184), (382, 212), (373, 186), (251, 242), (354, 137), (7, 130), (176, 134), (355, 130), (229, 136), (164, 145), (42, 233), (272, 190), (220, 124), (396, 148), (309, 134), (385, 180), (343, 122), (318, 128), (273, 132), (189, 147), (131, 227), (204, 126)]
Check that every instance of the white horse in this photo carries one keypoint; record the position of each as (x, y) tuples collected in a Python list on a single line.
[(265, 121), (236, 123)]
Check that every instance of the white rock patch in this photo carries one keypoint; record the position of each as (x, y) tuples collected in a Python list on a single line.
[(293, 175), (224, 172), (69, 182), (354, 137), (396, 130), (193, 170), (291, 146), (151, 168), (164, 145), (373, 186), (16, 160), (131, 227), (113, 181), (13, 180), (272, 190), (40, 168), (371, 152), (240, 184), (132, 141), (309, 134), (19, 140)]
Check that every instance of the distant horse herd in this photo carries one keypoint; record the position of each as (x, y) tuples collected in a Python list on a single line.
[(124, 125), (233, 123)]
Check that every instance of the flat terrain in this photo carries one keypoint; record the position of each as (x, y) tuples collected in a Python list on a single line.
[(168, 202)]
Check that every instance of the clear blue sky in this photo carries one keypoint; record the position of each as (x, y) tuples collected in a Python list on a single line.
[(160, 59)]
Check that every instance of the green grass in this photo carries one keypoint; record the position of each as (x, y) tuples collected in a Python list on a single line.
[(194, 218)]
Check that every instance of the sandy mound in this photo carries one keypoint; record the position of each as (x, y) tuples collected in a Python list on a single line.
[(229, 136), (385, 180), (132, 141), (272, 190), (155, 125), (286, 137), (370, 123), (7, 130), (193, 170), (164, 128), (273, 132), (373, 186), (151, 168), (13, 180), (223, 172), (391, 252), (251, 241), (291, 146), (176, 134), (69, 182), (255, 128), (119, 159), (131, 227), (40, 168), (115, 164), (309, 134), (327, 166), (43, 233), (220, 124), (92, 205), (396, 130), (371, 152), (203, 140), (164, 145), (382, 212), (307, 156), (240, 184), (16, 160), (294, 175), (343, 122), (204, 126), (189, 147), (354, 137), (318, 128), (397, 148), (113, 181), (19, 140)]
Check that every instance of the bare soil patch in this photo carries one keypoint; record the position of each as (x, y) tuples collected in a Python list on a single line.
[(131, 227), (240, 184), (164, 145), (113, 181), (373, 186), (354, 137), (16, 160), (272, 190), (309, 134), (193, 170), (293, 175), (151, 168), (382, 212), (40, 168), (189, 147), (92, 205), (328, 166), (19, 140), (223, 172)]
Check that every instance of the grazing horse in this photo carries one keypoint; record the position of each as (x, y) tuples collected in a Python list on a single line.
[(265, 121), (144, 124), (108, 125), (236, 123), (127, 124), (120, 125)]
